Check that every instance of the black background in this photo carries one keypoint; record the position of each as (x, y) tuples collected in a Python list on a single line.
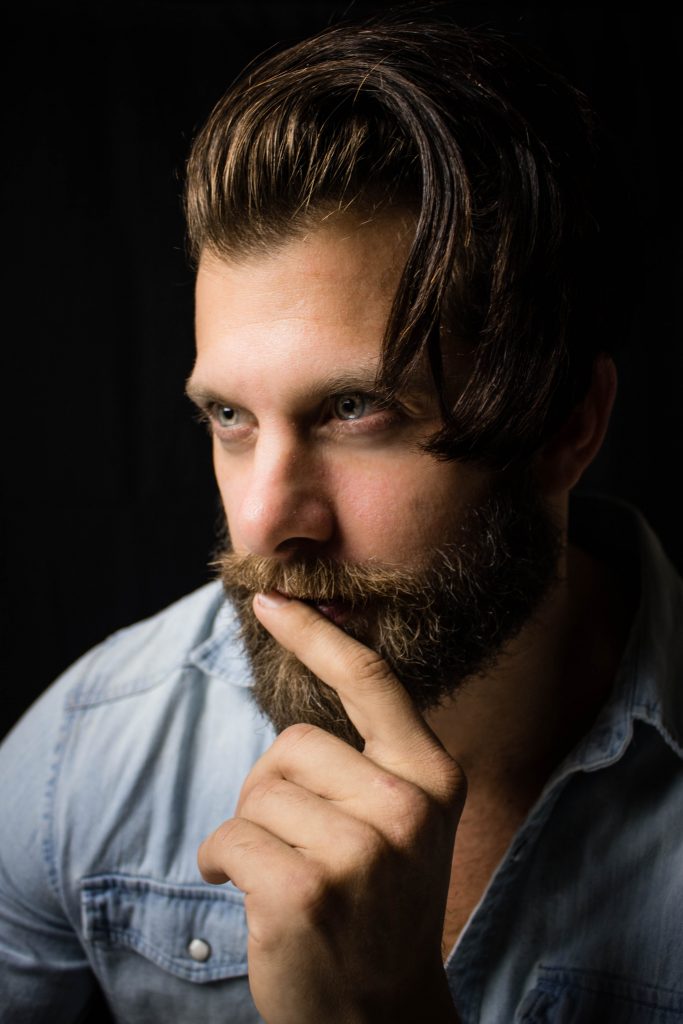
[(109, 508)]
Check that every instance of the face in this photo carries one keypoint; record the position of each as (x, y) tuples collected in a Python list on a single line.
[(306, 459), (327, 492)]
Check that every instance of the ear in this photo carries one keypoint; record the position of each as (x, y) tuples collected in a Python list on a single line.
[(563, 459)]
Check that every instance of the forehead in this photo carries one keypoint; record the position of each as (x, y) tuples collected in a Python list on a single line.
[(317, 300)]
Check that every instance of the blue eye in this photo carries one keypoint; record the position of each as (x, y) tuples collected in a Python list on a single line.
[(349, 407)]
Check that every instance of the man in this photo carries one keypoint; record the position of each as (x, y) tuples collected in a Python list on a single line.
[(470, 809)]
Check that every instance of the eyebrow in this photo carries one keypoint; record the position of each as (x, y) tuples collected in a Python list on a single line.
[(201, 396), (362, 379)]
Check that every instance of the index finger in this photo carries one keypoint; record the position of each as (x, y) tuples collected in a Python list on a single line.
[(396, 736)]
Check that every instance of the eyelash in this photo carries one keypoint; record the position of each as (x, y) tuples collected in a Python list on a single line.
[(380, 416), (388, 414)]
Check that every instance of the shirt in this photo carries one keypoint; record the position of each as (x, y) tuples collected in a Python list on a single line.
[(113, 778)]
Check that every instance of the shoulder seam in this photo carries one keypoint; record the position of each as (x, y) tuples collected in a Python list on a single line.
[(84, 697), (49, 838)]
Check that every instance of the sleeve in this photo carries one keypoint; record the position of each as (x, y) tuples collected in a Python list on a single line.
[(44, 973)]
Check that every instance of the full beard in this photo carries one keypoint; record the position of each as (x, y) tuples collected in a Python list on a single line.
[(436, 626)]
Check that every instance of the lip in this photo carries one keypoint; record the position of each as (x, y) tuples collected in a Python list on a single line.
[(338, 612)]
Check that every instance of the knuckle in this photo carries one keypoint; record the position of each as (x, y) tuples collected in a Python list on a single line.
[(451, 788), (310, 891), (412, 811), (367, 847), (367, 666), (226, 833), (213, 851), (259, 791), (444, 779), (393, 790), (294, 735), (295, 745)]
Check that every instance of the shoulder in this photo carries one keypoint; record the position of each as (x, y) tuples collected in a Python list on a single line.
[(141, 719), (108, 785), (133, 660), (142, 655)]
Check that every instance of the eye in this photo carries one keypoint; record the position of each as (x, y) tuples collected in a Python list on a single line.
[(229, 423), (349, 407), (225, 415)]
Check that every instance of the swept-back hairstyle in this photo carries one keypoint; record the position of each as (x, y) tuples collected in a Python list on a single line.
[(492, 152)]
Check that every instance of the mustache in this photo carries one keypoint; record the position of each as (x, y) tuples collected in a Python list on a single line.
[(320, 579)]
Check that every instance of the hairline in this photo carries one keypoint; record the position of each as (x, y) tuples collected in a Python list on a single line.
[(271, 237)]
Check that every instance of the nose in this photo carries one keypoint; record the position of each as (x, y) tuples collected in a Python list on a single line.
[(282, 506)]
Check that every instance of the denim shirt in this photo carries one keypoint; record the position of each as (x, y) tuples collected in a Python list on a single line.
[(110, 782)]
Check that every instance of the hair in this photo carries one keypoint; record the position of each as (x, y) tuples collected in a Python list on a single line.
[(493, 153)]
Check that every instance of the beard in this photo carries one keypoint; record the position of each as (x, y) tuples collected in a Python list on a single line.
[(436, 626)]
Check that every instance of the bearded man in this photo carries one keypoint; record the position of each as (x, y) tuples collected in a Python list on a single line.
[(428, 716)]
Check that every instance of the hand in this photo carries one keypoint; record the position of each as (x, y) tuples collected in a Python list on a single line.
[(344, 858)]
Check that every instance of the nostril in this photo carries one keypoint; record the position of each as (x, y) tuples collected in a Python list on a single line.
[(299, 547), (280, 513)]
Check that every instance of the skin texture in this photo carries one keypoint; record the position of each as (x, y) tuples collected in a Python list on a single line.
[(349, 862)]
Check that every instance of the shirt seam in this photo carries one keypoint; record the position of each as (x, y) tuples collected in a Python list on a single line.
[(49, 844), (141, 684)]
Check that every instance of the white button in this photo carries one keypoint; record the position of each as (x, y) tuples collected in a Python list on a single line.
[(199, 950)]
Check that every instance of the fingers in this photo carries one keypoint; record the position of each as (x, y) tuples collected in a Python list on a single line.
[(308, 756), (312, 825), (396, 736), (246, 854), (374, 699), (312, 759)]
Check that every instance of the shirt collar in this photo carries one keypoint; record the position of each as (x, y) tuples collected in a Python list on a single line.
[(222, 654), (647, 686)]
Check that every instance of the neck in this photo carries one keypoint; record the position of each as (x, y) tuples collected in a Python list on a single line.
[(509, 729)]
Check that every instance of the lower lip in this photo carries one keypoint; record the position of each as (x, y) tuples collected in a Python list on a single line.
[(336, 612)]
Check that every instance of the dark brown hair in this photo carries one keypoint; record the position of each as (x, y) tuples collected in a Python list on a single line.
[(494, 154)]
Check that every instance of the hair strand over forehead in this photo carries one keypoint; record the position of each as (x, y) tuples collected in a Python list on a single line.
[(490, 151)]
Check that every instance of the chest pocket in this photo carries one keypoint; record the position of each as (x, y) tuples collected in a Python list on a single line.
[(167, 952), (573, 996)]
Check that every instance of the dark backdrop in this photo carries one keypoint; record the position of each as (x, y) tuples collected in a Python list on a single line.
[(108, 509)]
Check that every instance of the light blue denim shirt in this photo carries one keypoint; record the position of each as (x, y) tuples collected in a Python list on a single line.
[(111, 781)]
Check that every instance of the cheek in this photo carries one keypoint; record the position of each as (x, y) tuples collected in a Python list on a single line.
[(395, 512), (230, 486), (370, 502), (220, 478)]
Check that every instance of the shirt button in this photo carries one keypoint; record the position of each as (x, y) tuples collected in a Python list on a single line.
[(199, 950)]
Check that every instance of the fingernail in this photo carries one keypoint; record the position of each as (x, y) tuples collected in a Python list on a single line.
[(273, 599)]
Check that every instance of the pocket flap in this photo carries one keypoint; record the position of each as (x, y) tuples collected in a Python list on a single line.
[(196, 932), (570, 995)]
